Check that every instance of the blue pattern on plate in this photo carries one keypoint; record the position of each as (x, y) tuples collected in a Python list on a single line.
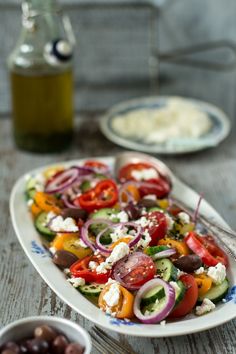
[(118, 322), (231, 295), (35, 248)]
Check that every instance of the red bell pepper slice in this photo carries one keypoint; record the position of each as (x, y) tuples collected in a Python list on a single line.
[(206, 248), (80, 269), (104, 195)]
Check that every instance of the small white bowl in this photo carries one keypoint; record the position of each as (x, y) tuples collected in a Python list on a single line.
[(25, 328)]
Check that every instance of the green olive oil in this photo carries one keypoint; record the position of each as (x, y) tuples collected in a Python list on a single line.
[(42, 110)]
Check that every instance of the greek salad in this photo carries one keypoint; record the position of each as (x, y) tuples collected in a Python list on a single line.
[(124, 243)]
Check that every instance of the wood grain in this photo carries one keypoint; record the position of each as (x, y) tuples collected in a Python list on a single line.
[(23, 292)]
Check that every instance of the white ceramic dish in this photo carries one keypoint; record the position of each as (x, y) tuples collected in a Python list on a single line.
[(24, 327), (31, 243), (219, 131)]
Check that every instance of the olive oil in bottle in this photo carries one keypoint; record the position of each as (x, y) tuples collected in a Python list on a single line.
[(42, 81)]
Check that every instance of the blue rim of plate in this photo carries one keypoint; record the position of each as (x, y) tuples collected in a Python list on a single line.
[(220, 127)]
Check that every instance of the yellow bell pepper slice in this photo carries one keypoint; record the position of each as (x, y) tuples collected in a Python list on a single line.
[(180, 246), (124, 308), (204, 283)]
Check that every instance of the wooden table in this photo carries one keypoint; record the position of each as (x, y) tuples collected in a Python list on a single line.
[(24, 293)]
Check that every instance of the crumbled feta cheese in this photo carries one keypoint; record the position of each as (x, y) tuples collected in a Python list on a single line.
[(184, 217), (30, 202), (39, 182), (118, 233), (66, 271), (175, 286), (143, 221), (102, 268), (163, 323), (145, 239), (121, 250), (80, 243), (112, 296), (122, 216), (52, 250), (170, 222), (93, 265), (206, 306), (179, 273), (144, 174), (76, 282), (50, 216), (60, 225), (199, 270), (217, 273), (150, 197)]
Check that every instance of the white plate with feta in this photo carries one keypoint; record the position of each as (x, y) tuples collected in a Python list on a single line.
[(165, 125), (31, 242)]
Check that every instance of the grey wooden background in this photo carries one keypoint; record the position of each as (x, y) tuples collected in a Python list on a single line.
[(112, 53), (112, 65)]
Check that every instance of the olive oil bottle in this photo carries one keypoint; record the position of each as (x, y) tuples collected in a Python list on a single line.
[(42, 80)]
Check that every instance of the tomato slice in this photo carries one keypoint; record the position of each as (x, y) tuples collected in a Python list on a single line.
[(158, 185), (206, 248), (190, 297), (126, 172), (96, 165), (80, 269), (104, 195), (157, 227), (134, 271)]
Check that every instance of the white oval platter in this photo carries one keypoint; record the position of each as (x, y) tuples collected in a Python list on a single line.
[(40, 258)]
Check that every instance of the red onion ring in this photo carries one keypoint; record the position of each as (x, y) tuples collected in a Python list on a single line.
[(84, 231), (68, 203), (123, 190), (132, 242), (157, 316), (62, 181), (164, 254)]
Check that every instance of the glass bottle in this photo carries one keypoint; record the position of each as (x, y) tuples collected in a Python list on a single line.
[(41, 79)]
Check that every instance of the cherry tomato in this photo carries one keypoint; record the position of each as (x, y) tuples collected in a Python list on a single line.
[(157, 226), (95, 164), (134, 271), (80, 269), (190, 297), (158, 185), (104, 195)]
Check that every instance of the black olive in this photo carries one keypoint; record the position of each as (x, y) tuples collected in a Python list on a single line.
[(188, 263), (75, 213), (64, 259)]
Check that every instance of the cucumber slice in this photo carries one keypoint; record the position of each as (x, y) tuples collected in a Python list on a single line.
[(30, 188), (179, 294), (104, 213), (166, 269), (85, 186), (155, 249), (217, 292), (151, 296), (155, 307), (155, 209), (92, 289), (40, 224)]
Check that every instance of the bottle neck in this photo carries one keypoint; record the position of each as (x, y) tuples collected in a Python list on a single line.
[(41, 5)]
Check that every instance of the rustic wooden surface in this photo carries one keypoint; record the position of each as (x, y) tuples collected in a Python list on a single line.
[(23, 292)]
